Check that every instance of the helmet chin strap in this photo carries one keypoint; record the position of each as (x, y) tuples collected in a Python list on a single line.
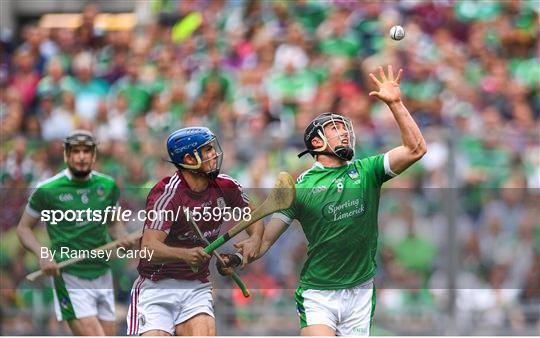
[(212, 174), (194, 168), (345, 153)]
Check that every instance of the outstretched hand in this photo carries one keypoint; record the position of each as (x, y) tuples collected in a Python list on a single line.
[(249, 248), (388, 87)]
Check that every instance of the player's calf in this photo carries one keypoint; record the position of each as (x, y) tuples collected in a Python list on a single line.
[(88, 326), (109, 327)]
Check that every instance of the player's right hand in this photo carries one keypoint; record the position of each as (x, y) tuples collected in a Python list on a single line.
[(49, 268), (195, 256)]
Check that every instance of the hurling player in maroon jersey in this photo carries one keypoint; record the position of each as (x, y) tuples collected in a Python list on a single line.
[(168, 297)]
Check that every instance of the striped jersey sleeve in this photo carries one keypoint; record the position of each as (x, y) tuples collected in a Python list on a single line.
[(160, 206), (233, 191)]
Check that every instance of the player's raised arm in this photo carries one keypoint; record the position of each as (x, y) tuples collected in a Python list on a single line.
[(31, 243), (413, 144)]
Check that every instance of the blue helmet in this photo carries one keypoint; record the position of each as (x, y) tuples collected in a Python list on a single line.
[(190, 141)]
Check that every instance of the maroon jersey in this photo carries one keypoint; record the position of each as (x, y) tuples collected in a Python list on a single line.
[(172, 195)]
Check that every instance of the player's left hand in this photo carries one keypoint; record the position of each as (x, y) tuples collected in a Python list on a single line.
[(231, 261), (388, 87), (249, 248), (125, 242)]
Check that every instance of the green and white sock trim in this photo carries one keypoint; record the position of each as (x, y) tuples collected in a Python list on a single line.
[(66, 308)]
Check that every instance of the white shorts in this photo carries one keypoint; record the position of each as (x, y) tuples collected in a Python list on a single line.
[(347, 311), (166, 303), (76, 297)]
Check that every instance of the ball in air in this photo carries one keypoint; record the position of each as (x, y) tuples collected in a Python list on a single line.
[(397, 33)]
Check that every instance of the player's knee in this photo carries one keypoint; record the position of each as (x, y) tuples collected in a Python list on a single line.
[(203, 331), (317, 330), (199, 325), (210, 330), (155, 333)]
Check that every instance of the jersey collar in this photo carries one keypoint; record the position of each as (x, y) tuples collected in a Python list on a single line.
[(192, 193), (70, 176), (319, 165)]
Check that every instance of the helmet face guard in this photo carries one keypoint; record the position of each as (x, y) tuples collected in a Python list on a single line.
[(213, 161), (344, 152), (317, 129)]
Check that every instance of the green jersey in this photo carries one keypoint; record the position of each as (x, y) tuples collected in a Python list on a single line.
[(76, 233), (337, 208)]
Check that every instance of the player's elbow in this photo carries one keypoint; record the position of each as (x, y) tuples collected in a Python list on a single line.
[(21, 229), (24, 234), (24, 226), (419, 151), (422, 150)]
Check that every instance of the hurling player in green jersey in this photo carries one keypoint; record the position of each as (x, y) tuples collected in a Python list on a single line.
[(336, 203), (83, 291)]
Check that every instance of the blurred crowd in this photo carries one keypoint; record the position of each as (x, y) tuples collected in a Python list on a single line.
[(256, 72)]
